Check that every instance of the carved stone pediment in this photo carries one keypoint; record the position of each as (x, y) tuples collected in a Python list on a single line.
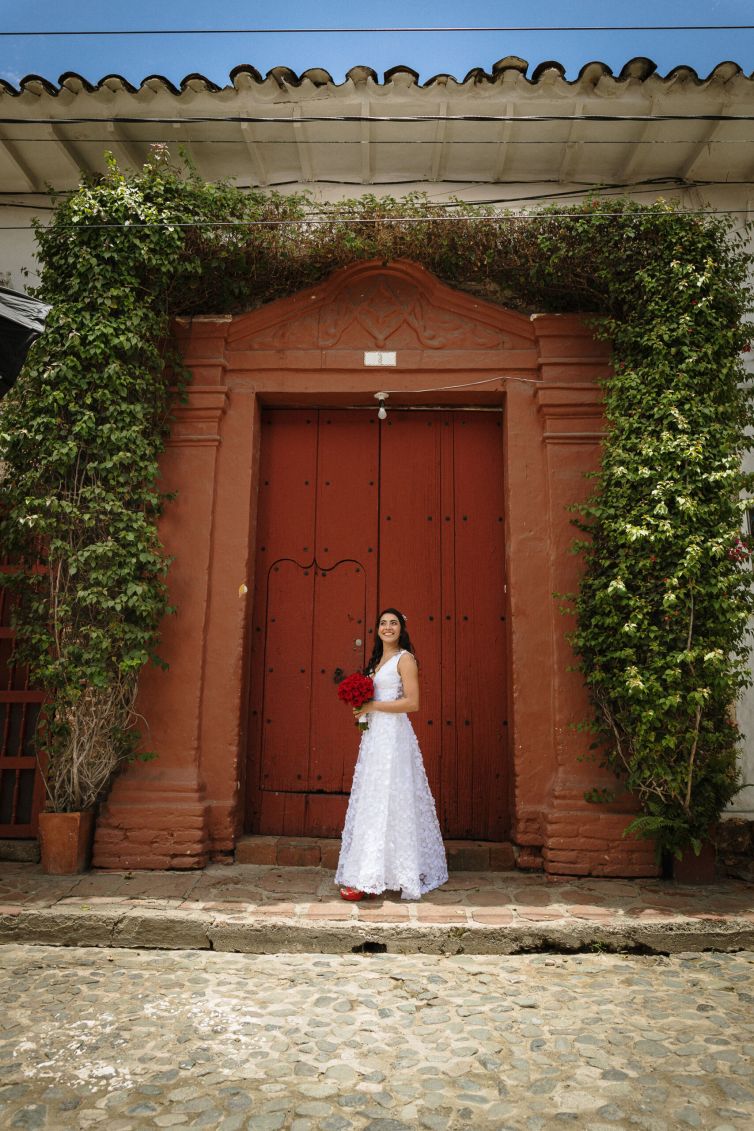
[(397, 306)]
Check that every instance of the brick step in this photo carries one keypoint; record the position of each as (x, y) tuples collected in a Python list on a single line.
[(21, 851), (322, 852)]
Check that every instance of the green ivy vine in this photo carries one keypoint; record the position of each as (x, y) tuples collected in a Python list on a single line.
[(664, 604), (665, 599)]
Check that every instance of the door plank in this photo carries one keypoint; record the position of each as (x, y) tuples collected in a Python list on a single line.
[(347, 488), (287, 487), (325, 813), (285, 532), (481, 685), (410, 558), (451, 799), (339, 616), (287, 677)]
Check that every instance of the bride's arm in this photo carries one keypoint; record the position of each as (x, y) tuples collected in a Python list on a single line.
[(409, 673)]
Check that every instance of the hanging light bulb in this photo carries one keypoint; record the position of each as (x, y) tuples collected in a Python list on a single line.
[(382, 411)]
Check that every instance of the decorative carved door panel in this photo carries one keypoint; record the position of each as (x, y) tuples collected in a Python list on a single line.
[(354, 515)]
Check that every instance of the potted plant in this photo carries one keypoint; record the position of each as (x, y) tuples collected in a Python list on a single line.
[(85, 737), (85, 628), (697, 863)]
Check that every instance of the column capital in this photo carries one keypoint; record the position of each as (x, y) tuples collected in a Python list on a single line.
[(572, 413), (568, 351), (197, 420)]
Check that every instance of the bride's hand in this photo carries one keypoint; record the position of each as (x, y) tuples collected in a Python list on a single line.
[(364, 709)]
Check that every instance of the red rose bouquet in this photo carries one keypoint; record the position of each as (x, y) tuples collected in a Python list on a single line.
[(356, 690)]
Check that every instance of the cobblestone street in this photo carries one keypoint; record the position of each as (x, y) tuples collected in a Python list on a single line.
[(128, 1039)]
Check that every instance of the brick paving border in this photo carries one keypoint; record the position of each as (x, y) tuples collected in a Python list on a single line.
[(266, 908)]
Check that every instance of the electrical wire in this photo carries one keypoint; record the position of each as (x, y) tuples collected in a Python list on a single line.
[(363, 119), (324, 218), (463, 385), (378, 30), (601, 191), (384, 141), (604, 189)]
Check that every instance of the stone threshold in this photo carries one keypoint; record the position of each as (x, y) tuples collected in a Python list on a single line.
[(322, 852), (22, 850)]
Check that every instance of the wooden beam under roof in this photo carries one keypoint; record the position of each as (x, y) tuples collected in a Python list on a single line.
[(629, 171), (367, 175), (35, 183), (573, 146), (125, 145), (701, 146), (502, 152), (303, 146), (259, 171), (72, 152), (439, 151)]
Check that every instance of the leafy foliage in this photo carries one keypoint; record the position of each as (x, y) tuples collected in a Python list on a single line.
[(663, 607), (664, 602), (80, 437)]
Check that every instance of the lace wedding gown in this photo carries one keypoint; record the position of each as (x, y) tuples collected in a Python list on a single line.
[(391, 838)]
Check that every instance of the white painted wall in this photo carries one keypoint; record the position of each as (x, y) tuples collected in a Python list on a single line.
[(18, 265)]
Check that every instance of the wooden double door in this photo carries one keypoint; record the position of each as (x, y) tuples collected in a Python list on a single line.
[(355, 515)]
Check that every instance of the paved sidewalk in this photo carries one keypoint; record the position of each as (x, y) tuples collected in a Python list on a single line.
[(265, 909)]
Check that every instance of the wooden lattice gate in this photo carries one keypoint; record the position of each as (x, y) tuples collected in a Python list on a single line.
[(20, 781)]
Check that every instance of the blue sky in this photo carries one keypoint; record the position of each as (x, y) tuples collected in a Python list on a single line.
[(135, 57)]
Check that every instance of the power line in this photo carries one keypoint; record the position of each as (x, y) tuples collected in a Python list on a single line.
[(110, 140), (381, 30), (360, 119), (322, 218), (602, 188)]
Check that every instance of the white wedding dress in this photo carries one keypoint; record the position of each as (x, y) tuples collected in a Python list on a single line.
[(391, 838)]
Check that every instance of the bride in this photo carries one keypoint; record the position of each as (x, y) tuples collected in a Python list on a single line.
[(391, 838)]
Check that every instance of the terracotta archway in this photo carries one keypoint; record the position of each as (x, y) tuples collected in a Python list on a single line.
[(452, 350)]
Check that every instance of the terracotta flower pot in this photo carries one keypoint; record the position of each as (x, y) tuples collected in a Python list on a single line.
[(65, 842), (692, 869)]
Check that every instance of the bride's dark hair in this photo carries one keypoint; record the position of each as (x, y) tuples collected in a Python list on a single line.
[(403, 640)]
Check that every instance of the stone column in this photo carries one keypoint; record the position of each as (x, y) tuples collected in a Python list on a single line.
[(529, 599), (156, 815), (580, 838)]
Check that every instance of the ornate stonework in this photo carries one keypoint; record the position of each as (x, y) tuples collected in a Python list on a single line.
[(393, 308)]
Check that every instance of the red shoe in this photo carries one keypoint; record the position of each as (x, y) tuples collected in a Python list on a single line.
[(353, 895)]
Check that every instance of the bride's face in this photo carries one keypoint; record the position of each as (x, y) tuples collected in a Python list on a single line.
[(389, 628)]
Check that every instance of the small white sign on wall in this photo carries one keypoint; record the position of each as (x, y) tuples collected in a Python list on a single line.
[(380, 357)]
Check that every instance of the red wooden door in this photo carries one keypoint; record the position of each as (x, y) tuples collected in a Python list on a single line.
[(442, 563), (317, 531), (355, 515)]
